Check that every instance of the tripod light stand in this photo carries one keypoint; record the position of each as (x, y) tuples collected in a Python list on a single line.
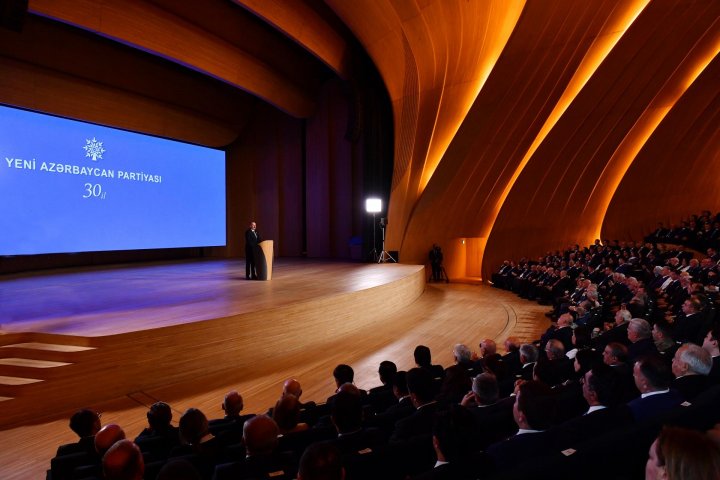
[(384, 255), (374, 205)]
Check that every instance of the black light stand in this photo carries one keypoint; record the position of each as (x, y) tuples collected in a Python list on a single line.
[(384, 256)]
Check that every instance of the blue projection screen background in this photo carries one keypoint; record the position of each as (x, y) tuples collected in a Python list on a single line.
[(69, 186)]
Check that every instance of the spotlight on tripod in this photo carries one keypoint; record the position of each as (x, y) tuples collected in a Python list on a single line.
[(374, 206), (384, 255)]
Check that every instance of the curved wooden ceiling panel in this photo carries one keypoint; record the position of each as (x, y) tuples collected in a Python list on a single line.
[(159, 31), (562, 195)]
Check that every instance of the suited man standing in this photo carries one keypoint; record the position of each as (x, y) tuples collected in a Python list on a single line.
[(252, 239)]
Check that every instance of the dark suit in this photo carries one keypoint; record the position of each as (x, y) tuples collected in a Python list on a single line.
[(641, 348), (419, 423), (252, 239), (654, 405), (690, 386), (591, 425), (521, 448)]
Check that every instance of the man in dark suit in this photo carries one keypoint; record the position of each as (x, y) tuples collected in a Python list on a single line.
[(421, 421), (252, 239), (691, 367), (688, 327), (493, 416), (533, 412), (605, 412), (85, 423), (229, 428), (639, 334), (653, 378), (423, 359), (382, 397)]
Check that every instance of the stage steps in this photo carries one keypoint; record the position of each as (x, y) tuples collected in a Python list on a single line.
[(29, 360)]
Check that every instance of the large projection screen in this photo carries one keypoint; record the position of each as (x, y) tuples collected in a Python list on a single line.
[(70, 186)]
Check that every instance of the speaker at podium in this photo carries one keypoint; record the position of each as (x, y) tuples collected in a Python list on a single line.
[(264, 259)]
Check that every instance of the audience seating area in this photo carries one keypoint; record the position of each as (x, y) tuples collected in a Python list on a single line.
[(632, 350)]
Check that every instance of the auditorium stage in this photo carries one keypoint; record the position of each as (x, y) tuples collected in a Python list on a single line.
[(102, 301), (116, 339)]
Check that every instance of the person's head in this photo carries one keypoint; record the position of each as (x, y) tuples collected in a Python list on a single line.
[(691, 359), (422, 356), (387, 372), (321, 461), (292, 387), (534, 406), (159, 416), (193, 426), (661, 331), (486, 389), (488, 347), (564, 320), (600, 385), (343, 374), (85, 423), (461, 353), (286, 413), (512, 344), (585, 360), (691, 306), (554, 349), (581, 336), (622, 316), (233, 404), (453, 434), (682, 454), (639, 329), (123, 461), (260, 435), (253, 225), (710, 343), (615, 353), (346, 412), (400, 389), (652, 374), (420, 386), (528, 353), (107, 436)]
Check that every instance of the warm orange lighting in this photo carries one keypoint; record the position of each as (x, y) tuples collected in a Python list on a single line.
[(595, 55)]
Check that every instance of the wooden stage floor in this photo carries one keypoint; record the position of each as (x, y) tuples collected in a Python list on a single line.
[(187, 333)]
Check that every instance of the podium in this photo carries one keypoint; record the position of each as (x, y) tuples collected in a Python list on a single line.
[(264, 259)]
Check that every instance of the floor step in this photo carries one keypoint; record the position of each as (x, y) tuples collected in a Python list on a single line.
[(44, 351), (13, 386)]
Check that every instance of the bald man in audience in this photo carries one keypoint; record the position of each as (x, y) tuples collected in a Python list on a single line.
[(123, 461), (229, 428), (107, 436)]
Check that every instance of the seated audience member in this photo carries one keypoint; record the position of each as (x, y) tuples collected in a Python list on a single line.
[(402, 407), (123, 461), (528, 359), (689, 326), (562, 332), (533, 411), (691, 367), (653, 378), (463, 359), (511, 359), (605, 412), (453, 442), (420, 422), (492, 415), (85, 423), (488, 354), (710, 345), (107, 436), (347, 416), (260, 435), (454, 386), (321, 461), (617, 332), (640, 336), (581, 340), (423, 360), (198, 442), (230, 426), (557, 368), (287, 415), (681, 454), (343, 374), (160, 437), (382, 397), (665, 344), (308, 410)]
